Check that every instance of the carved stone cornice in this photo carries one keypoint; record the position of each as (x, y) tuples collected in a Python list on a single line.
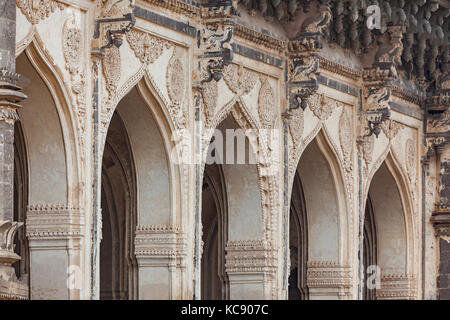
[(259, 38), (177, 6), (339, 68), (407, 95)]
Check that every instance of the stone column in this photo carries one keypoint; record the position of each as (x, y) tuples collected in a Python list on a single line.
[(10, 287)]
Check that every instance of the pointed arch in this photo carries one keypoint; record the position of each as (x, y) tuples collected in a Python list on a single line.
[(397, 233), (327, 204), (52, 77)]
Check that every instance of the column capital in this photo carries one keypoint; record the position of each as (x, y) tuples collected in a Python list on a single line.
[(10, 95)]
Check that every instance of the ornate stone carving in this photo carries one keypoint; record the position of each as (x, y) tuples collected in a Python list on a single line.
[(391, 128), (8, 114), (216, 38), (410, 156), (346, 137), (146, 47), (249, 256), (240, 80), (175, 82), (367, 149), (111, 69), (73, 52), (303, 63), (397, 286), (296, 126), (318, 24), (53, 221), (160, 241), (322, 106), (176, 79), (330, 275), (37, 10), (209, 95), (266, 105), (376, 107)]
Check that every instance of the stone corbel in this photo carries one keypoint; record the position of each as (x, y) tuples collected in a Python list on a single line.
[(303, 59), (112, 21), (376, 98), (215, 38), (377, 84)]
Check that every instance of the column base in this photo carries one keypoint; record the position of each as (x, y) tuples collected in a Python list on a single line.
[(10, 287)]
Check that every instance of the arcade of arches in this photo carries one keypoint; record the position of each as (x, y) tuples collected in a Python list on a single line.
[(222, 150)]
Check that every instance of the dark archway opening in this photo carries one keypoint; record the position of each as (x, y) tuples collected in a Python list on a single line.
[(20, 202), (298, 243), (118, 203), (370, 250), (214, 209)]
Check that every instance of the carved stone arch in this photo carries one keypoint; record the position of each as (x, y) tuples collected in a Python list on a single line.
[(168, 130), (257, 239), (398, 277), (52, 76), (161, 192), (215, 282), (329, 274), (54, 218)]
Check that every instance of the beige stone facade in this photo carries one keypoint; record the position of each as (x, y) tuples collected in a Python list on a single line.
[(125, 101)]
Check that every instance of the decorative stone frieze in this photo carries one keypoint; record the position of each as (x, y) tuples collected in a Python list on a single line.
[(37, 10), (396, 286), (53, 221), (159, 241), (249, 256), (329, 278)]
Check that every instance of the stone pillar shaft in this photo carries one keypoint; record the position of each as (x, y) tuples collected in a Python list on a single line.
[(10, 287)]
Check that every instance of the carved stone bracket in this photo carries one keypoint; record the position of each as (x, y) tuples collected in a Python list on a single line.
[(376, 97), (303, 60), (215, 38)]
